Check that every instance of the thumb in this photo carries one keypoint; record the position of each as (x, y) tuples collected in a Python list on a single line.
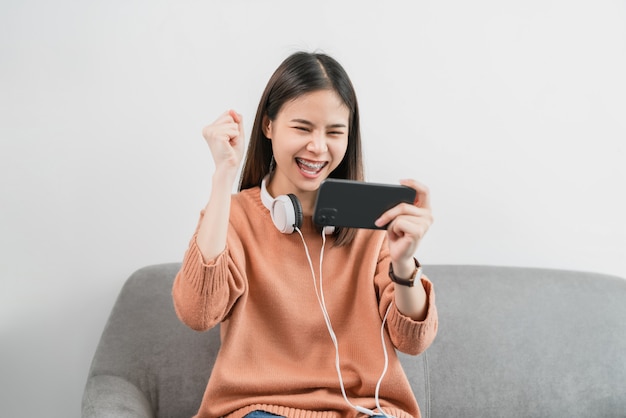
[(236, 116), (238, 120)]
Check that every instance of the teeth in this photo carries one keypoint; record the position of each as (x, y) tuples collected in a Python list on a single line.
[(312, 166)]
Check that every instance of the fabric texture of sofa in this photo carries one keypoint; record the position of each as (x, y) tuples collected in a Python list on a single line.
[(512, 342)]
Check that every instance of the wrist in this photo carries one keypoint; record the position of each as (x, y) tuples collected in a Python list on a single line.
[(404, 268), (402, 277), (223, 179)]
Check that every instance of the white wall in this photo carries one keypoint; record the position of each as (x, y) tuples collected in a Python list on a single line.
[(513, 112)]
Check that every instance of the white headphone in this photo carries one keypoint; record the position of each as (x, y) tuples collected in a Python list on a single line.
[(286, 211)]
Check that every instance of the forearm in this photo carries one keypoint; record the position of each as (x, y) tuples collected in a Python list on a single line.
[(213, 228), (410, 301)]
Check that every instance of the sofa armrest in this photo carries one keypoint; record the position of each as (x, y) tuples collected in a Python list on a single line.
[(112, 396)]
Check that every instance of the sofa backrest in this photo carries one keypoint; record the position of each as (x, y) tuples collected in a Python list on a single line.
[(512, 342)]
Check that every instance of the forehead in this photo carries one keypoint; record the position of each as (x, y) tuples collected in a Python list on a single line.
[(321, 104)]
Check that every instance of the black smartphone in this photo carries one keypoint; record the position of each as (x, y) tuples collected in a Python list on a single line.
[(357, 204)]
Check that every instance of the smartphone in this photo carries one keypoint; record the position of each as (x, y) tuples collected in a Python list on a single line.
[(357, 204)]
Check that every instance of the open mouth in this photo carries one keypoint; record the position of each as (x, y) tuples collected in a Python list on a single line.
[(311, 167)]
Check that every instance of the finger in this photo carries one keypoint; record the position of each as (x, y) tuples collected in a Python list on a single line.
[(401, 209), (224, 117), (238, 118), (409, 226), (224, 131), (422, 196), (228, 117), (404, 237)]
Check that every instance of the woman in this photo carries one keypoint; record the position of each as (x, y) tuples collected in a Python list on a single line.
[(301, 339)]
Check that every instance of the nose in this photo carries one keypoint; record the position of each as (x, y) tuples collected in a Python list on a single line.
[(317, 143)]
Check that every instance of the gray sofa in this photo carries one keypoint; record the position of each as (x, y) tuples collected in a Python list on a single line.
[(512, 342)]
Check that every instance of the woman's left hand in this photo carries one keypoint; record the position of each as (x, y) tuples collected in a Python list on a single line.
[(407, 225)]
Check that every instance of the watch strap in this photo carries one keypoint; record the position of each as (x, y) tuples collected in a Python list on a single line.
[(410, 282)]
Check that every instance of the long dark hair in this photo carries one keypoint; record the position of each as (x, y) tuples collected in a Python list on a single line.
[(301, 73)]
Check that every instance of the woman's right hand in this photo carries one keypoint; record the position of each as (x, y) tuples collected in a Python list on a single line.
[(226, 140)]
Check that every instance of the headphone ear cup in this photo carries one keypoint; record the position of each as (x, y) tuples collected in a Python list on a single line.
[(297, 211), (286, 213)]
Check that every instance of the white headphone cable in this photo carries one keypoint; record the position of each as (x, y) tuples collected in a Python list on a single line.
[(382, 375), (320, 299)]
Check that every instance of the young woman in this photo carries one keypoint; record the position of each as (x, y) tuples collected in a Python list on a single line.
[(301, 313)]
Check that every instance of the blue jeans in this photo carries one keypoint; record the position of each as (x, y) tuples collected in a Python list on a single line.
[(263, 414)]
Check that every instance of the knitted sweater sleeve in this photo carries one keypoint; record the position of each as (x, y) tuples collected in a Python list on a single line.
[(408, 336), (413, 337), (204, 292)]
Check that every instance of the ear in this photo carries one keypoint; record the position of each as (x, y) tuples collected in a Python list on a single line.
[(267, 127)]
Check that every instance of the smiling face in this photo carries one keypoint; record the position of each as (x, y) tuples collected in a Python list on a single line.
[(309, 138)]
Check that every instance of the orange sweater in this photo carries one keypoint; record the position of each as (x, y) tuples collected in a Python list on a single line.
[(276, 353)]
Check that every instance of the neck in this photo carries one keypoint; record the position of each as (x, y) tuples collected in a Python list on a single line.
[(308, 202), (306, 198)]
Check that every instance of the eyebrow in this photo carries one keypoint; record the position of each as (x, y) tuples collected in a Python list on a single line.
[(306, 122)]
